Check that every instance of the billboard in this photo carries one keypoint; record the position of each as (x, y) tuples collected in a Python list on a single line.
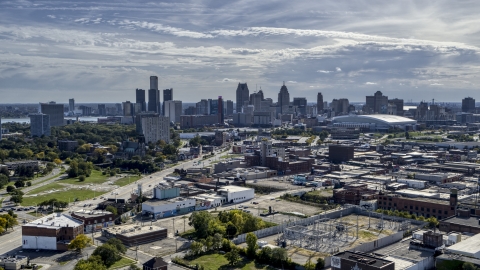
[(336, 262)]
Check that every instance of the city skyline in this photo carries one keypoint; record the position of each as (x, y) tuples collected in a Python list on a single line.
[(95, 51)]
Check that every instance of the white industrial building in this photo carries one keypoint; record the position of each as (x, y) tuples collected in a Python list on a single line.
[(468, 247), (235, 194), (419, 184), (374, 122), (167, 208), (52, 232)]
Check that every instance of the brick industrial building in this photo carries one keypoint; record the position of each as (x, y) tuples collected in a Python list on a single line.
[(353, 194), (340, 153), (132, 235), (359, 261), (419, 206), (94, 220), (53, 232)]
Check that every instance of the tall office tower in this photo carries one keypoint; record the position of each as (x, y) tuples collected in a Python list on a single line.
[(71, 105), (173, 110), (191, 110), (118, 108), (256, 100), (319, 103), (127, 108), (137, 108), (140, 98), (242, 96), (54, 111), (167, 95), (399, 105), (203, 107), (340, 106), (154, 100), (229, 105), (301, 104), (154, 82), (283, 98), (212, 106), (378, 103), (86, 110), (153, 127), (266, 104), (221, 116), (468, 104), (39, 124), (102, 110)]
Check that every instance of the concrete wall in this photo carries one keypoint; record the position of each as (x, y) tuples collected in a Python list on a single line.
[(43, 242)]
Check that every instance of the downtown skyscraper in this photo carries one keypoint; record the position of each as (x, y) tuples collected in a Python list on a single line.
[(243, 95)]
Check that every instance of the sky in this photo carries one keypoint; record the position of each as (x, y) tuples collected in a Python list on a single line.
[(101, 51)]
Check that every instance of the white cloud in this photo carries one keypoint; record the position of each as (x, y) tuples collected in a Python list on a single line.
[(228, 80), (370, 83), (323, 71), (51, 16), (338, 69), (436, 84), (291, 81)]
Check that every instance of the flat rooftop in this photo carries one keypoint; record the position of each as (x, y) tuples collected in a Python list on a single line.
[(471, 221), (468, 247), (55, 221), (91, 213), (364, 258), (233, 188), (133, 230), (165, 202)]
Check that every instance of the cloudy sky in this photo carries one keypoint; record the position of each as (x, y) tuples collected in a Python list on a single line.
[(100, 51)]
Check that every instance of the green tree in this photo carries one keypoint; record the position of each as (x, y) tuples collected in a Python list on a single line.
[(469, 266), (10, 217), (133, 267), (320, 264), (17, 199), (217, 241), (432, 222), (108, 254), (10, 189), (3, 225), (309, 265), (81, 178), (200, 221), (117, 244), (19, 184), (265, 255), (233, 257), (407, 135), (79, 243), (94, 262), (279, 255), (112, 210), (196, 248), (252, 246), (3, 180)]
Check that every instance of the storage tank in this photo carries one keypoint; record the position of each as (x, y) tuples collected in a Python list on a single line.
[(454, 238)]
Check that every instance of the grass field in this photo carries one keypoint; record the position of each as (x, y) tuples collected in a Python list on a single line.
[(125, 180), (95, 178), (70, 195), (44, 188), (218, 261), (122, 263)]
